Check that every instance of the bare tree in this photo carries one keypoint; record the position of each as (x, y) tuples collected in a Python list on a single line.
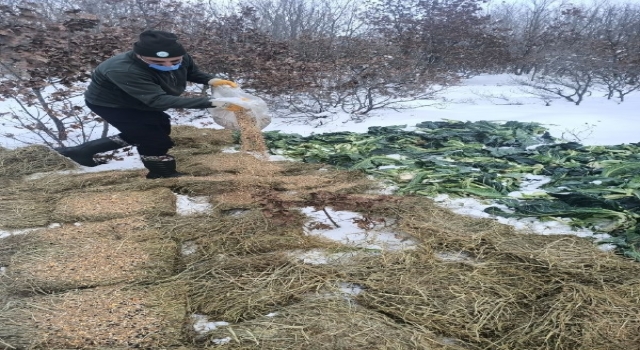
[(290, 19), (616, 41), (529, 31), (569, 49), (44, 56), (320, 55), (451, 34)]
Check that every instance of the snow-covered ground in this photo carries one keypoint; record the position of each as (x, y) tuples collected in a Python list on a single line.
[(596, 121)]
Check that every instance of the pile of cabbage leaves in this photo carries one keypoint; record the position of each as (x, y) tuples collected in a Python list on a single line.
[(594, 187)]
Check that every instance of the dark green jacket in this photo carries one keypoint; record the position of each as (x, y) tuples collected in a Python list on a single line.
[(125, 81)]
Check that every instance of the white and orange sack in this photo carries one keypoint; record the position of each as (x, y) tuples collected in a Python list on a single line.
[(255, 107)]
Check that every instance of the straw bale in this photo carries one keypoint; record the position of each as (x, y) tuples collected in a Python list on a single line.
[(512, 291), (25, 188), (93, 254), (234, 288), (53, 186), (242, 163), (327, 322), (30, 160), (296, 168), (456, 300), (488, 241), (187, 166), (20, 213), (55, 183), (238, 163), (210, 185), (250, 233), (513, 303), (108, 205), (243, 180), (190, 141), (582, 317), (242, 198), (7, 183), (109, 317), (198, 140), (566, 258), (126, 181), (241, 191), (225, 191), (10, 245), (439, 227), (329, 181), (214, 163)]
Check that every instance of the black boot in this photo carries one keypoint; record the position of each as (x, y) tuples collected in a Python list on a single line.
[(83, 154), (160, 166)]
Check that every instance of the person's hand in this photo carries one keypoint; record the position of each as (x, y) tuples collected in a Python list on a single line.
[(219, 82)]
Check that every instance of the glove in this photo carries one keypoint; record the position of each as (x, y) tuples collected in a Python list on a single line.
[(219, 82), (227, 106)]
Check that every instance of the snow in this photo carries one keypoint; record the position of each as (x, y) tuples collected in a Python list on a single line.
[(597, 121), (221, 341), (320, 257), (201, 323), (342, 226), (186, 205), (530, 185), (7, 233), (350, 289), (188, 248)]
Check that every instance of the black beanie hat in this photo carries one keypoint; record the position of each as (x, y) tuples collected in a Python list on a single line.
[(156, 43)]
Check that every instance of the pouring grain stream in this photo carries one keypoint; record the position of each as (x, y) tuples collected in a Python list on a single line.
[(251, 139)]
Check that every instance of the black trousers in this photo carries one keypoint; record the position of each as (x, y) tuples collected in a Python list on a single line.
[(147, 130)]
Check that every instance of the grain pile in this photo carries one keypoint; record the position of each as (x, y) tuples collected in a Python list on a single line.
[(103, 317), (109, 205), (89, 255), (62, 184), (30, 160), (21, 213)]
